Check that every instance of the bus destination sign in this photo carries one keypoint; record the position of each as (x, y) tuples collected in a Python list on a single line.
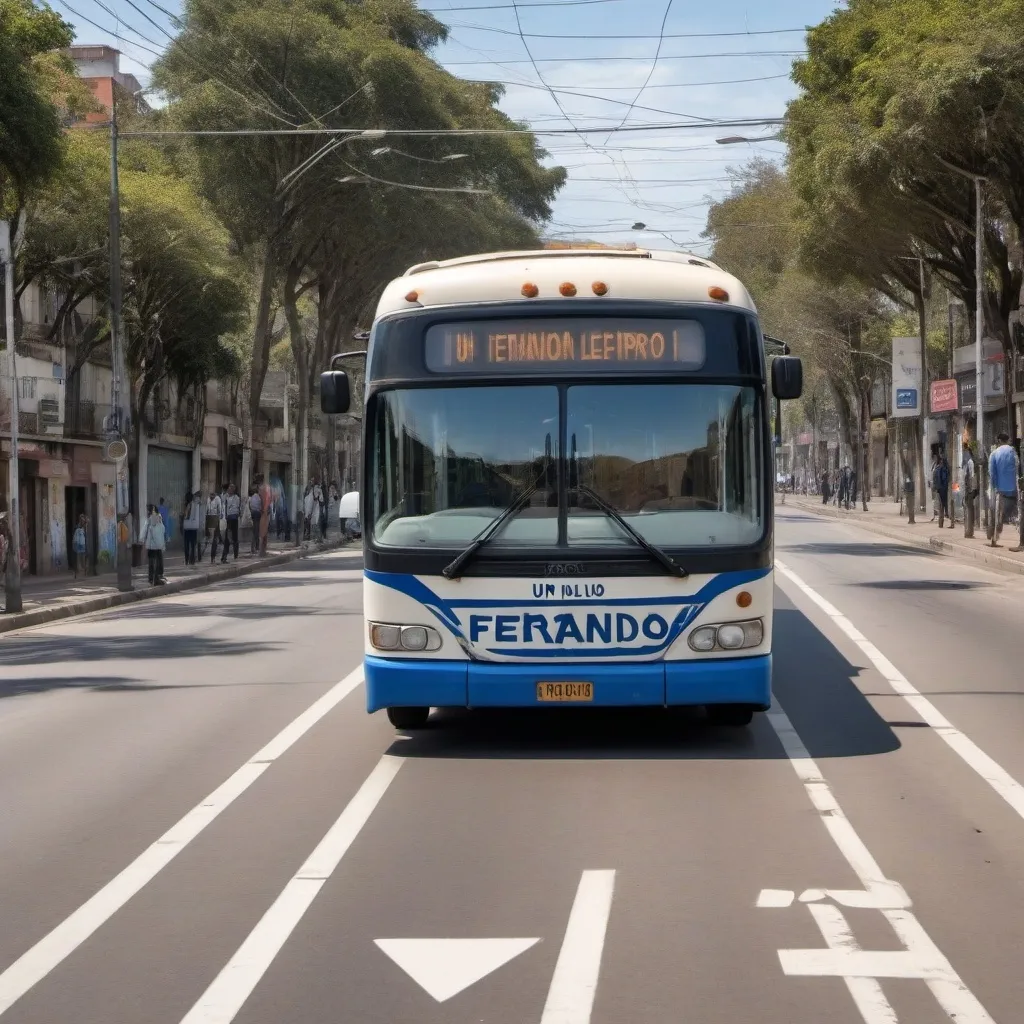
[(594, 344)]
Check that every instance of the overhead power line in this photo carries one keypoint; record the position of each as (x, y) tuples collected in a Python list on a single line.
[(457, 132), (617, 35), (654, 64), (627, 88), (509, 7), (672, 56)]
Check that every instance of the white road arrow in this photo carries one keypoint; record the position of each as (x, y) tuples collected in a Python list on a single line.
[(444, 967)]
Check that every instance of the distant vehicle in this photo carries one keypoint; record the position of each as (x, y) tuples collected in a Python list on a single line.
[(571, 485), (348, 515)]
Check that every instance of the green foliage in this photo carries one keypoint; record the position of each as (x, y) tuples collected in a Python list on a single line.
[(181, 287), (37, 85), (900, 104)]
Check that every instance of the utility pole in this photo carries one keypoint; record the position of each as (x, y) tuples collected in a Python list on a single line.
[(979, 330), (118, 417), (12, 581), (924, 396)]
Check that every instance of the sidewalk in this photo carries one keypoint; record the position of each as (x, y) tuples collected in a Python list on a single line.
[(48, 598), (883, 517)]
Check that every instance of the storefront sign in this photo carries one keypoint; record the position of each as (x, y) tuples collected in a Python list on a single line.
[(944, 396)]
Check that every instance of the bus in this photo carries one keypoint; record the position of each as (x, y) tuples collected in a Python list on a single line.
[(568, 496)]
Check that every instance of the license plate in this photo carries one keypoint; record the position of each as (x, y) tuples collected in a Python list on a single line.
[(565, 692)]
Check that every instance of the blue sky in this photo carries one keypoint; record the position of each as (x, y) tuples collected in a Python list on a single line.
[(662, 178)]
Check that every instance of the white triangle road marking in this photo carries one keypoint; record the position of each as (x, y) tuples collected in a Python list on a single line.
[(444, 967)]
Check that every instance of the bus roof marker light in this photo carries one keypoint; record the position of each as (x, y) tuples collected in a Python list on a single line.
[(718, 294), (743, 599), (413, 296), (567, 288), (600, 288), (531, 291)]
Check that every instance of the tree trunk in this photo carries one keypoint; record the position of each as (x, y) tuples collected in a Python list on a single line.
[(300, 353), (258, 365)]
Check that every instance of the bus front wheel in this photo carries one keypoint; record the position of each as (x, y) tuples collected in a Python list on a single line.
[(408, 718), (736, 715)]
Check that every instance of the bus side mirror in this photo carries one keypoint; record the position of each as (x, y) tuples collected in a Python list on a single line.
[(335, 392), (787, 377)]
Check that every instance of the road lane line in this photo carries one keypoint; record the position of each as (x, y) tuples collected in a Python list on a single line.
[(881, 893), (867, 993), (574, 985), (228, 992), (966, 749), (36, 963)]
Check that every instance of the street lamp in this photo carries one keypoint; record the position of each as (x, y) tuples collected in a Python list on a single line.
[(448, 158)]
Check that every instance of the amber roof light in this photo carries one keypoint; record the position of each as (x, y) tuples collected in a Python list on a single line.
[(567, 288), (412, 297), (600, 288), (531, 291), (718, 294)]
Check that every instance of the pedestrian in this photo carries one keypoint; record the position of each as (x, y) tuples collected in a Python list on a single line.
[(825, 493), (215, 524), (970, 486), (165, 515), (940, 485), (79, 547), (256, 511), (154, 539), (232, 513), (1002, 474), (190, 522), (267, 503)]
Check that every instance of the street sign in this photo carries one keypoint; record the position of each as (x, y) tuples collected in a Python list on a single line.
[(906, 398)]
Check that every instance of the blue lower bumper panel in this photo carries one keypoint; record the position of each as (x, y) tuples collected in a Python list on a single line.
[(408, 682)]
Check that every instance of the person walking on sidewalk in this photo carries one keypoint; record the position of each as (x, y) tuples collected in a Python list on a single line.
[(154, 539), (256, 511), (215, 524), (190, 522), (232, 513), (1002, 473), (267, 503), (79, 547), (940, 484)]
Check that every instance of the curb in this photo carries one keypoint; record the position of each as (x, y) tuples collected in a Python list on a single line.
[(41, 616), (933, 545)]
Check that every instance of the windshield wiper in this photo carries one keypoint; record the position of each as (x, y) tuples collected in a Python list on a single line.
[(652, 549), (454, 568)]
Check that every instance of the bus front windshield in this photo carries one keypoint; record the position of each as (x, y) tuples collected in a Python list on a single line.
[(683, 463)]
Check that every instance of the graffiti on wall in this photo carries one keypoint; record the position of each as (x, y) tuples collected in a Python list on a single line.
[(106, 526)]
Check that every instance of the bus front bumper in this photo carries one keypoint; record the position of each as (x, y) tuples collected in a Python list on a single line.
[(409, 682)]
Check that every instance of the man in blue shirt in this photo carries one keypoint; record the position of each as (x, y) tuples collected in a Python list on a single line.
[(1002, 474)]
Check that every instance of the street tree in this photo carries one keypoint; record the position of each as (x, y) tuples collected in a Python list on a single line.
[(900, 109), (271, 64)]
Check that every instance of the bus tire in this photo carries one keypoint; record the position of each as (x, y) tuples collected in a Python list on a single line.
[(408, 718), (733, 715)]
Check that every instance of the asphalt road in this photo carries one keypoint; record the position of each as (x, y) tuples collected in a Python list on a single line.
[(199, 824)]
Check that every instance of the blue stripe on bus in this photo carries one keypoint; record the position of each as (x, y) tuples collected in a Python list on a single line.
[(414, 682)]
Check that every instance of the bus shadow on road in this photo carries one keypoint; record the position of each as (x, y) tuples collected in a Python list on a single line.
[(813, 683), (856, 550)]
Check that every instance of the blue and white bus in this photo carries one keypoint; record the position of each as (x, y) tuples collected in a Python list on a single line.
[(568, 493)]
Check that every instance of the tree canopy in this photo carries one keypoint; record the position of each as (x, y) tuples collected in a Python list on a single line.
[(37, 87)]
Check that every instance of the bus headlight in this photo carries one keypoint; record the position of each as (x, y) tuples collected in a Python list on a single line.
[(704, 639), (385, 636), (728, 636)]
